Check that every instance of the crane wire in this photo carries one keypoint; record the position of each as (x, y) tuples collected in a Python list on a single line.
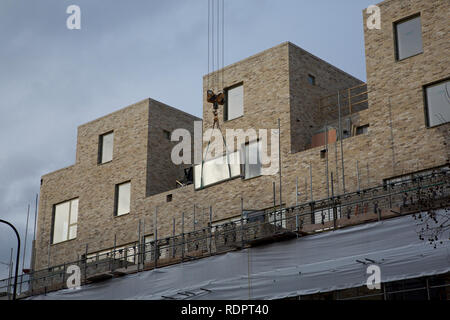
[(216, 45), (209, 40), (223, 44)]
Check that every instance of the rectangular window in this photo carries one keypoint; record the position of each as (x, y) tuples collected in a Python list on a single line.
[(123, 196), (234, 106), (408, 37), (105, 150), (311, 80), (253, 163), (362, 130), (437, 100), (217, 170), (65, 221)]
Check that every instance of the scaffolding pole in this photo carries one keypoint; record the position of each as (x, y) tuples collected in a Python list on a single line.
[(341, 138), (279, 166)]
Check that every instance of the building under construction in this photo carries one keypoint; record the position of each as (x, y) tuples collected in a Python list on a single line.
[(364, 180)]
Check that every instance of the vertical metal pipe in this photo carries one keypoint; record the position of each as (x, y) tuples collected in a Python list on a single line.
[(113, 255), (138, 247), (274, 198), (24, 249), (10, 274), (337, 167), (296, 192), (194, 217), (156, 236), (173, 238), (182, 235), (33, 252), (341, 138), (326, 161), (35, 217), (48, 254), (334, 204), (85, 263), (279, 165), (210, 230), (392, 136), (143, 246), (210, 216), (332, 185), (311, 181), (242, 222), (306, 189), (357, 175)]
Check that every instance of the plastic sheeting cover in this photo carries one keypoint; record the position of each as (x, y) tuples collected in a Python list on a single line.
[(309, 265)]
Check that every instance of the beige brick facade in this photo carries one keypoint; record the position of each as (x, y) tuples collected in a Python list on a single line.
[(275, 87)]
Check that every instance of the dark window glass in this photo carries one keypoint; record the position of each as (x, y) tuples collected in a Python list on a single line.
[(437, 97), (408, 38), (362, 130), (312, 80), (106, 145)]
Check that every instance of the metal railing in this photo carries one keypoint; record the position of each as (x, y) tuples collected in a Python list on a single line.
[(351, 100), (267, 225)]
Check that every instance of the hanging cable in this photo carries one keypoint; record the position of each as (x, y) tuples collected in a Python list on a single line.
[(209, 41), (223, 44), (216, 60)]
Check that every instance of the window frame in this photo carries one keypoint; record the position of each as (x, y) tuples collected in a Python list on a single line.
[(225, 156), (365, 127), (116, 199), (100, 148), (312, 79), (225, 109), (244, 162), (426, 104), (396, 38), (52, 237)]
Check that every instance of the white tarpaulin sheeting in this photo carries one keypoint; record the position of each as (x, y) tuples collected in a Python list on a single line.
[(308, 265)]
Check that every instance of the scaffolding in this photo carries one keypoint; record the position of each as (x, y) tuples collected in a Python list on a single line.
[(254, 228)]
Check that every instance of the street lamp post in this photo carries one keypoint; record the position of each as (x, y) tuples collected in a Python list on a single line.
[(18, 256)]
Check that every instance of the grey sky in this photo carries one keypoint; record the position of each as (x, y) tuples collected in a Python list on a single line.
[(53, 79)]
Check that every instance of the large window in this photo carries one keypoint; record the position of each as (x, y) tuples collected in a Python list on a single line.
[(253, 164), (65, 221), (217, 170), (123, 196), (105, 150), (234, 107), (437, 100), (408, 37)]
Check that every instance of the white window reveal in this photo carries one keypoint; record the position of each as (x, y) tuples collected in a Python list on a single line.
[(234, 107), (123, 196), (65, 221), (253, 163)]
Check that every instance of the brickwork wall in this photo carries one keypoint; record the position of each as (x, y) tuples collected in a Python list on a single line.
[(275, 87)]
